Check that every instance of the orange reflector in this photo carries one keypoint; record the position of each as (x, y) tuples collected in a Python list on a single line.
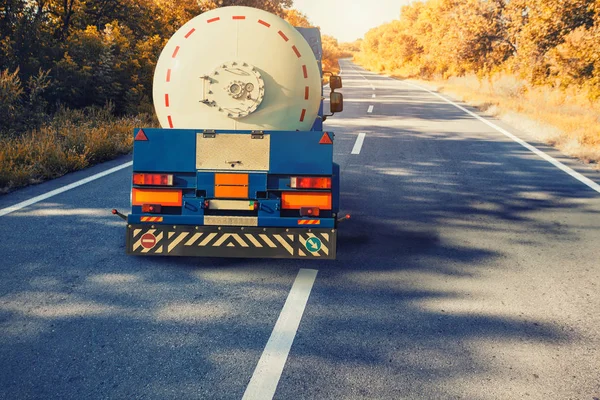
[(297, 200), (326, 139), (141, 135), (231, 179), (231, 192), (139, 197)]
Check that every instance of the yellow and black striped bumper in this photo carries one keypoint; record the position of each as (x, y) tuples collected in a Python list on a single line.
[(245, 242)]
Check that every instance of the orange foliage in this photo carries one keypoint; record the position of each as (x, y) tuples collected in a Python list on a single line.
[(544, 41)]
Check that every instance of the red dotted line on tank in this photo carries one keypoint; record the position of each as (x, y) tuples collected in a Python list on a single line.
[(304, 69), (260, 21)]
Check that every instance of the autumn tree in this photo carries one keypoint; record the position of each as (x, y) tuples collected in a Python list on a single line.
[(277, 7)]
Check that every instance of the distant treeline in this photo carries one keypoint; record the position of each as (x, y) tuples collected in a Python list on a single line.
[(554, 42)]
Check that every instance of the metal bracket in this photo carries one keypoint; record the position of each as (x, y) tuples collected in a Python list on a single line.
[(205, 78), (258, 134), (209, 134)]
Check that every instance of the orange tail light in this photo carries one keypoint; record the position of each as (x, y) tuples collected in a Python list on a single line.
[(297, 200)]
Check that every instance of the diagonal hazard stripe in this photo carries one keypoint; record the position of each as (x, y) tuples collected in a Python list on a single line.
[(325, 236), (240, 240), (284, 244), (193, 239), (252, 239), (222, 240), (207, 239), (268, 241), (177, 240)]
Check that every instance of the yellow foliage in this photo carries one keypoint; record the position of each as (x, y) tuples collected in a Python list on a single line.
[(529, 55)]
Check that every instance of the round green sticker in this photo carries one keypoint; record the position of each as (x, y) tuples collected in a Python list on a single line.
[(313, 244)]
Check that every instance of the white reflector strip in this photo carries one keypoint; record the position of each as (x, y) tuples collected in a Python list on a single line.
[(253, 240), (193, 239), (284, 244), (207, 240), (240, 240), (222, 239), (175, 242), (268, 241)]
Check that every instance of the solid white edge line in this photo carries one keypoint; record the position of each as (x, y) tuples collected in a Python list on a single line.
[(268, 371), (63, 189), (359, 143), (581, 178), (370, 110)]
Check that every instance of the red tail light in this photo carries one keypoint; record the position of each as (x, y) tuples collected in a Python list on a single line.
[(151, 208), (310, 183), (153, 179)]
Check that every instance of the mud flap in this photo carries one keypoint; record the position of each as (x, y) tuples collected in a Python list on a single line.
[(238, 242)]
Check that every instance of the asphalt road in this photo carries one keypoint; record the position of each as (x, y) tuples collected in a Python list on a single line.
[(469, 270)]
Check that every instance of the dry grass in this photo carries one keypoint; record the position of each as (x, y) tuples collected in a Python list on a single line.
[(73, 140), (564, 118)]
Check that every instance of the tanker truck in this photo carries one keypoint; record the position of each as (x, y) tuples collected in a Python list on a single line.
[(241, 166)]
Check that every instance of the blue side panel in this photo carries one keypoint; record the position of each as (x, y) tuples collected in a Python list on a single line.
[(172, 151), (335, 189), (193, 207), (292, 153), (257, 183), (206, 181)]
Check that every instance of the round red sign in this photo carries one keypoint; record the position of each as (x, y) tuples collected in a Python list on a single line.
[(148, 241)]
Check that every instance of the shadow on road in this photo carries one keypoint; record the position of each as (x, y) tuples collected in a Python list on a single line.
[(79, 319)]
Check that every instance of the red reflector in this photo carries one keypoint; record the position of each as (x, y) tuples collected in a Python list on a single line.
[(310, 183), (153, 179), (326, 139), (151, 208), (141, 135), (309, 211)]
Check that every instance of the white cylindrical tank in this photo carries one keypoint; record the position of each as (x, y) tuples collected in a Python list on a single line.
[(237, 68)]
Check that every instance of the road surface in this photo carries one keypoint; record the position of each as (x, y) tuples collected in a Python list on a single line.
[(470, 270)]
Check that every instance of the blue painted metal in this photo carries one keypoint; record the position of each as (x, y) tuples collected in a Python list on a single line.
[(165, 151), (193, 207), (335, 189), (269, 209), (206, 181), (256, 183), (296, 153)]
